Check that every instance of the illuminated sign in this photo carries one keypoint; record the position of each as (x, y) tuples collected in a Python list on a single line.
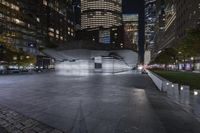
[(104, 36)]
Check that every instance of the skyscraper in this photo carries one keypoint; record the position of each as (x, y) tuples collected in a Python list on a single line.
[(173, 20), (188, 16), (150, 17), (130, 22), (100, 13)]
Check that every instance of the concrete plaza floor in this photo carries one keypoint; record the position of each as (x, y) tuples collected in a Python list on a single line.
[(121, 103)]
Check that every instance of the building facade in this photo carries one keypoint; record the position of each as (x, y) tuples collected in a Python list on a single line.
[(104, 38), (101, 22), (150, 21), (40, 22), (159, 27), (130, 23), (173, 19), (167, 35), (100, 13), (188, 16)]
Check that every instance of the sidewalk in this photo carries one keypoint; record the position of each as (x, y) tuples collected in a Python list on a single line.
[(3, 130), (93, 104), (13, 122)]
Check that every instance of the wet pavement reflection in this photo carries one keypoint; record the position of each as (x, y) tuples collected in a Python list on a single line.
[(125, 102)]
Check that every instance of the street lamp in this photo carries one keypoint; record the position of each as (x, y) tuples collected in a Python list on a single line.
[(193, 63), (182, 88), (196, 93), (159, 51)]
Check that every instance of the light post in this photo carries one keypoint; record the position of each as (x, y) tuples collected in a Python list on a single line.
[(183, 60), (193, 63), (178, 59)]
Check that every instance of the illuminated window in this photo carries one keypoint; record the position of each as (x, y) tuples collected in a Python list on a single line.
[(51, 34), (57, 32), (45, 2), (38, 19), (51, 29)]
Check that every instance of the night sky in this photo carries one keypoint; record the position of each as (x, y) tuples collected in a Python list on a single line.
[(137, 6), (131, 6)]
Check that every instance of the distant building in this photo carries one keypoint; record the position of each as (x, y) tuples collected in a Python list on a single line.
[(173, 19), (155, 25), (159, 26), (150, 22), (167, 35), (76, 17), (130, 23), (101, 13), (109, 38), (188, 16), (101, 22)]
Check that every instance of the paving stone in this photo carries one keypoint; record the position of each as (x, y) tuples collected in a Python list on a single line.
[(3, 130), (37, 129), (11, 128), (56, 131), (18, 125), (17, 131), (28, 130), (14, 122), (10, 120)]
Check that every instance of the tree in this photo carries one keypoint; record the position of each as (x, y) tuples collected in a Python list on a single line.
[(16, 57), (167, 56), (24, 59), (189, 46)]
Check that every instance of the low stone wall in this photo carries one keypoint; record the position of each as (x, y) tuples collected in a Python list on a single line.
[(165, 85), (159, 82)]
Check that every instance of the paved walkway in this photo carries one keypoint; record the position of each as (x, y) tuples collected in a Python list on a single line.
[(13, 122), (123, 103), (3, 130)]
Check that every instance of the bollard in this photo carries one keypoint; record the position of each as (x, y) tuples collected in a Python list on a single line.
[(184, 94), (165, 85)]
